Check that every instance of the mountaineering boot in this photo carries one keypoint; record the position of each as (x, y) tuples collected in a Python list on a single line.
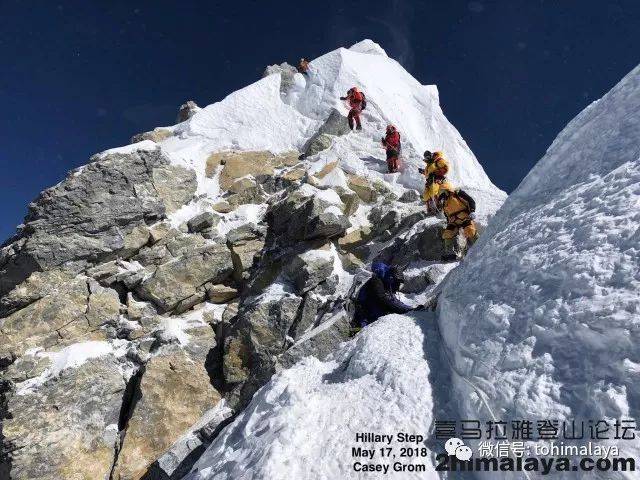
[(358, 127), (451, 252)]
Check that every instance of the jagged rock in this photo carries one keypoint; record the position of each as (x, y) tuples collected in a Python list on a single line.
[(287, 73), (425, 244), (239, 164), (222, 207), (156, 135), (192, 301), (158, 231), (175, 391), (67, 429), (85, 219), (350, 199), (175, 185), (37, 286), (69, 313), (306, 270), (202, 221), (221, 293), (410, 196), (319, 342), (355, 238), (363, 188), (336, 124), (258, 334), (179, 279), (295, 174), (245, 243), (187, 110), (307, 317), (303, 215)]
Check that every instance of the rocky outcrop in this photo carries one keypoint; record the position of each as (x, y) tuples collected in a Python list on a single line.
[(180, 278), (187, 110), (99, 212), (306, 214), (72, 311), (70, 428), (174, 392), (335, 124)]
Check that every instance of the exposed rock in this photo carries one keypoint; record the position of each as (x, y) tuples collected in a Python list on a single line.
[(320, 342), (355, 238), (295, 174), (222, 207), (159, 231), (156, 135), (175, 185), (258, 334), (68, 428), (202, 221), (245, 243), (174, 392), (287, 73), (69, 313), (221, 293), (425, 244), (304, 217), (363, 188), (350, 199), (37, 286), (187, 110), (410, 196), (241, 164), (190, 302), (86, 218), (307, 270), (307, 316), (336, 124), (179, 279)]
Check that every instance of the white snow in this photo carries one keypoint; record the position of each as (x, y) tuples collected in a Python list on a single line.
[(73, 356), (262, 117), (543, 315), (303, 423), (128, 149)]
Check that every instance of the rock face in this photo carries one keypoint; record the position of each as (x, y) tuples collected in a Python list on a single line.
[(174, 392), (187, 110), (180, 278), (69, 429), (93, 215)]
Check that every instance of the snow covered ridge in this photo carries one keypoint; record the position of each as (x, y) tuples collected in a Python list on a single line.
[(542, 316)]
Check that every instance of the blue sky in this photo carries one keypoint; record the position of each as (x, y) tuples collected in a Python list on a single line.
[(80, 77)]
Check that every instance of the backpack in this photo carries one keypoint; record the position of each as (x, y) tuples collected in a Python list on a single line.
[(467, 198), (363, 105)]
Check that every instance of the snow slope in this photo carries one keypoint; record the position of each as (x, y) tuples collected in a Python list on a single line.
[(303, 423), (261, 117), (543, 316)]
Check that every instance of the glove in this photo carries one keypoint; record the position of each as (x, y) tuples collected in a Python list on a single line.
[(421, 170), (472, 216), (343, 98)]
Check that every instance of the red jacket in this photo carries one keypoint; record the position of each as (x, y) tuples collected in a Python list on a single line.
[(392, 141), (355, 99)]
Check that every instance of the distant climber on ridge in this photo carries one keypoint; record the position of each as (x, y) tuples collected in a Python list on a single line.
[(357, 102), (377, 297), (391, 142), (435, 171), (303, 66), (458, 208)]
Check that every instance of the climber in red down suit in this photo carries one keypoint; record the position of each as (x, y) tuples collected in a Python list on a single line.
[(391, 142), (357, 102)]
